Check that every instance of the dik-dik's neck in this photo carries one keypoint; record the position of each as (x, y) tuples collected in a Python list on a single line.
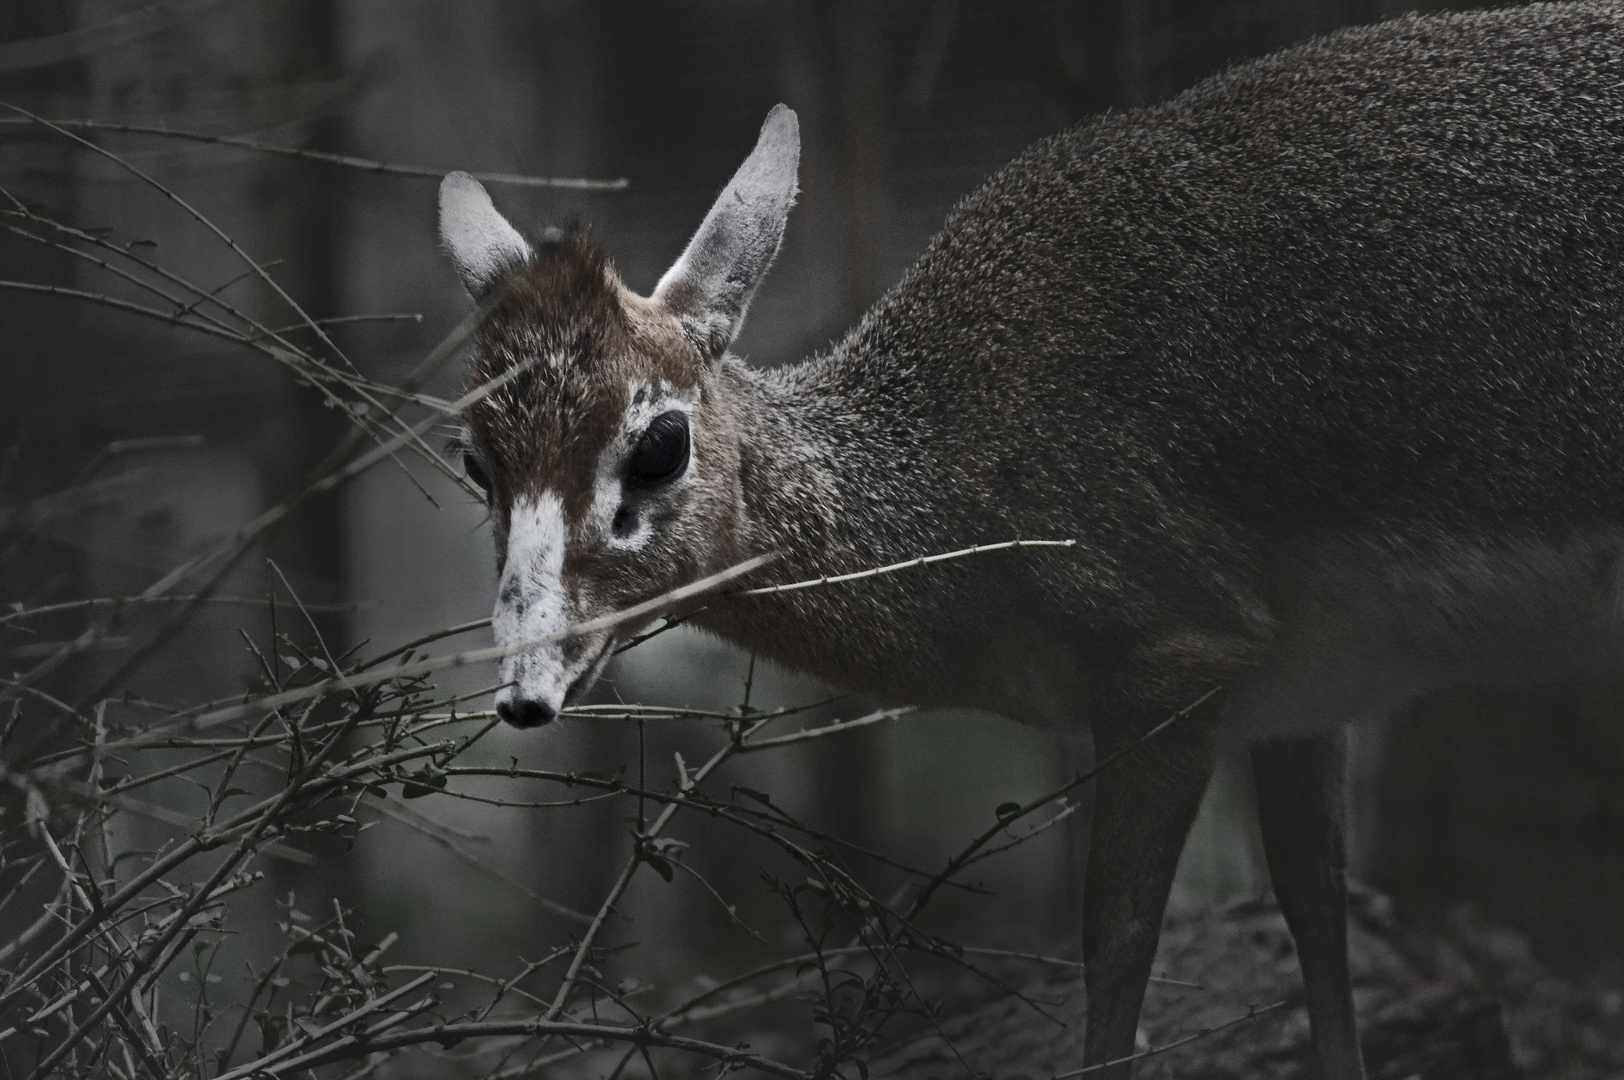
[(813, 494), (839, 473), (793, 443)]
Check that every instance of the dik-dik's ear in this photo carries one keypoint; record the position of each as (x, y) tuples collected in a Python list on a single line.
[(479, 240), (710, 287)]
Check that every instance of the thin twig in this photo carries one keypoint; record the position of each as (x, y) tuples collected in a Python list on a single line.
[(266, 1064), (633, 614), (840, 727), (352, 1046), (906, 564), (118, 602), (398, 815), (347, 161), (959, 861), (1250, 1014), (196, 215), (637, 859)]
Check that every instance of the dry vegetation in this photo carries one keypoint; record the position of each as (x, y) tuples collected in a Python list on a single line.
[(178, 957)]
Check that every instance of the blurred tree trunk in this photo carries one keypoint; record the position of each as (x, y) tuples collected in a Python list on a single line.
[(295, 218), (835, 72), (40, 444), (856, 66), (1099, 54), (40, 450), (32, 327), (835, 75), (296, 210)]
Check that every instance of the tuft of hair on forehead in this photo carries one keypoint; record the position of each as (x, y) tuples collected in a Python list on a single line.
[(561, 315), (565, 297)]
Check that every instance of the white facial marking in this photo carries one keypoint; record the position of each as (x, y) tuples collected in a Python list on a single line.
[(609, 497), (530, 602)]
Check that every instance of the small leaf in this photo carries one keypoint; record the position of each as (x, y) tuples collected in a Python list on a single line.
[(759, 796), (1007, 810), (424, 781), (660, 866)]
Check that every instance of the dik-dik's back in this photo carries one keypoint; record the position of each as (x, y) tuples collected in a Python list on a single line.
[(1372, 277), (1324, 354), (1318, 364)]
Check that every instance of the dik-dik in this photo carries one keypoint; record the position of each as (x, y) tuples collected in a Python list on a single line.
[(1319, 363)]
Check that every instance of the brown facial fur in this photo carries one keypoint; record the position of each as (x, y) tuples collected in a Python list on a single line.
[(584, 338)]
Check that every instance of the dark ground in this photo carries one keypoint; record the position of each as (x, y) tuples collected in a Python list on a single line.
[(1471, 1004)]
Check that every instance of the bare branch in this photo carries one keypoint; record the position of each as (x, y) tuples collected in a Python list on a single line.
[(347, 161), (1251, 1013), (906, 564)]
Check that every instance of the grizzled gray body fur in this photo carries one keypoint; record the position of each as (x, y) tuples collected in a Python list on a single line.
[(1356, 308), (1319, 363)]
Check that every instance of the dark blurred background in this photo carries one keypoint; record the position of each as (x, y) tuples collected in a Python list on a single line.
[(1513, 806)]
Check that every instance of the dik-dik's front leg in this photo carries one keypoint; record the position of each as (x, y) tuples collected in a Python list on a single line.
[(1300, 805), (1144, 804)]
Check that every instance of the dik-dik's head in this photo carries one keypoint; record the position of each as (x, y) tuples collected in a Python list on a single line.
[(609, 458)]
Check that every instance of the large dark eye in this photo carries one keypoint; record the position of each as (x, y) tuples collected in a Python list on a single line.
[(662, 453), (476, 472)]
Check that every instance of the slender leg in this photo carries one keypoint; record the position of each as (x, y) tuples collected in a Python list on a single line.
[(1299, 795), (1143, 808)]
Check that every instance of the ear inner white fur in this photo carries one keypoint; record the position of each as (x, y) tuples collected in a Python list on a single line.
[(710, 286), (481, 243)]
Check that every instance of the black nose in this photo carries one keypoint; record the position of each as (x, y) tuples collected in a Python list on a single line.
[(525, 714)]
